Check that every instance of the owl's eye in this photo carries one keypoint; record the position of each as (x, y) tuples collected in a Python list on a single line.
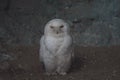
[(61, 26), (51, 27)]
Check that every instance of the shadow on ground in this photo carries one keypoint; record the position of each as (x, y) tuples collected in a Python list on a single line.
[(91, 63)]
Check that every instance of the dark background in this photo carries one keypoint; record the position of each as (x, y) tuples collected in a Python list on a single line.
[(95, 28), (95, 22)]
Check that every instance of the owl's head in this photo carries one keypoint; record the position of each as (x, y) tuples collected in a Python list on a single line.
[(57, 27)]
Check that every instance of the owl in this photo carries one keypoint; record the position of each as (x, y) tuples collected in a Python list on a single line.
[(56, 49)]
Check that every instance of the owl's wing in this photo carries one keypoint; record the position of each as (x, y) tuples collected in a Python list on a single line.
[(66, 46), (42, 48)]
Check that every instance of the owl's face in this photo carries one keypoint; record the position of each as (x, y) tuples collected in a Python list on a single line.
[(57, 27)]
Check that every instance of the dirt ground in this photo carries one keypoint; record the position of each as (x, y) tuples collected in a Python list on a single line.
[(91, 63)]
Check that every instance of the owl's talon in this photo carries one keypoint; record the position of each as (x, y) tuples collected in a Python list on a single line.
[(63, 73), (50, 74)]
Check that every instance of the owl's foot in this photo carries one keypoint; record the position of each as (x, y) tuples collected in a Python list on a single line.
[(62, 73), (51, 74)]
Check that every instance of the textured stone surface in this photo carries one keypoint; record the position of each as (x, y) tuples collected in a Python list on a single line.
[(97, 34), (96, 22)]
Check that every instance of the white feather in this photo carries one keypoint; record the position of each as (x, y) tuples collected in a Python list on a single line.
[(56, 48)]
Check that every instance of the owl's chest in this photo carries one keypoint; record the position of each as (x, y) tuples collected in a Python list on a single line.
[(54, 44)]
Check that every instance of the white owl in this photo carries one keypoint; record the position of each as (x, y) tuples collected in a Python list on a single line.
[(56, 50)]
